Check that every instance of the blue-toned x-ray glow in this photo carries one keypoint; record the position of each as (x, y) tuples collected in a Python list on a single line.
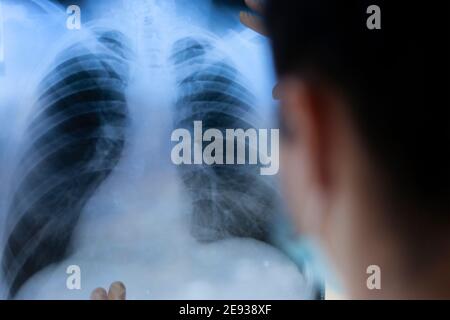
[(87, 180)]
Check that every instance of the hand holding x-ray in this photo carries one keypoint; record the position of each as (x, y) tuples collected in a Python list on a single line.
[(253, 20)]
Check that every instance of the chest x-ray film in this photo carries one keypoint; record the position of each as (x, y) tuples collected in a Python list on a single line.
[(120, 157)]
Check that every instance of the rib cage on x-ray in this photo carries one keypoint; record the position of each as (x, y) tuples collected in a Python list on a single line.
[(227, 200), (73, 141), (78, 130)]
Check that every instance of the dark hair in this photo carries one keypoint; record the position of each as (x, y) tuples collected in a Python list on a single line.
[(398, 104)]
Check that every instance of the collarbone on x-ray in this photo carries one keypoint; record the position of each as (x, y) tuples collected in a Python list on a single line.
[(88, 114)]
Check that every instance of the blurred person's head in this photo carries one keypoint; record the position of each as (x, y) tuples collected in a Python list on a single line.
[(365, 162)]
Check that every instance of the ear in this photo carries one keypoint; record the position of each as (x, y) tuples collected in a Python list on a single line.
[(306, 114)]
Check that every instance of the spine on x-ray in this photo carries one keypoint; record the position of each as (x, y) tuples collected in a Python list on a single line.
[(151, 30)]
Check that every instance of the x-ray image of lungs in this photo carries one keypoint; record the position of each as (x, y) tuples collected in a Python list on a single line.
[(227, 200), (90, 93)]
